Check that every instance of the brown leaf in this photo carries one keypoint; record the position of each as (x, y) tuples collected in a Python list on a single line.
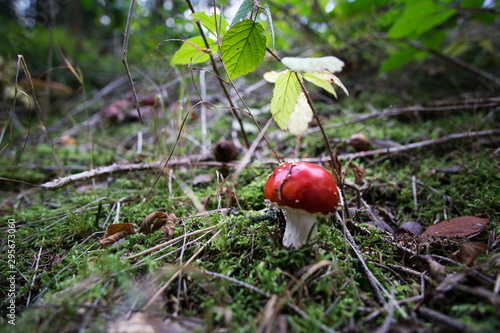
[(469, 252), (157, 220), (410, 227), (170, 224), (465, 226), (117, 227), (436, 270), (153, 222), (359, 173), (115, 232)]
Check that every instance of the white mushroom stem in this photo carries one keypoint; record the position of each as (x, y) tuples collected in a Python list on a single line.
[(300, 228)]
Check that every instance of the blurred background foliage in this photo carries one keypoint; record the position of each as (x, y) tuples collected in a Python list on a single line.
[(380, 36)]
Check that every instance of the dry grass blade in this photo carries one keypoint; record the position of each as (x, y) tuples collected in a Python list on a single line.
[(159, 246), (176, 274)]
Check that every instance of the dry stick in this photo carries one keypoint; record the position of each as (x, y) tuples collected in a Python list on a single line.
[(34, 274), (444, 319), (114, 168), (124, 58), (216, 71), (416, 145), (165, 286), (371, 278)]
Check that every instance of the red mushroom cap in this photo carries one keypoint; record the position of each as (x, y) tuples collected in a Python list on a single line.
[(303, 185)]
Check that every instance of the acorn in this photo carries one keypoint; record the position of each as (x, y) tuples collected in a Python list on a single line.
[(225, 151), (359, 142)]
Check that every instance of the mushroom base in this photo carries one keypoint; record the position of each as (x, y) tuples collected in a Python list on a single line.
[(301, 227)]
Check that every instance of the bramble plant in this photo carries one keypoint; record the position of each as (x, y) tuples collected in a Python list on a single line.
[(241, 47)]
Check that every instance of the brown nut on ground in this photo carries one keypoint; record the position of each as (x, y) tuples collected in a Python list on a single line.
[(359, 142)]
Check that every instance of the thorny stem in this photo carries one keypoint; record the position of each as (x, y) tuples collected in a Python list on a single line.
[(216, 71)]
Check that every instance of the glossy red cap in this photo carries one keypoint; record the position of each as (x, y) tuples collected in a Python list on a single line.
[(303, 185)]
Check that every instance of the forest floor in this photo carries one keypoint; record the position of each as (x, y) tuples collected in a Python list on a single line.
[(81, 262)]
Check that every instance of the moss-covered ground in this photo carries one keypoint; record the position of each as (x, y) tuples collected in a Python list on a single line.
[(239, 277)]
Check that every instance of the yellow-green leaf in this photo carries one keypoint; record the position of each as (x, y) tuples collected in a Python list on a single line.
[(192, 51), (285, 95)]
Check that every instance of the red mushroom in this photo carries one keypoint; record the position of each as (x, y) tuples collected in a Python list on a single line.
[(304, 190)]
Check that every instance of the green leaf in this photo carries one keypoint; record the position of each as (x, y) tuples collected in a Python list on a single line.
[(212, 23), (245, 8), (190, 54), (398, 59), (435, 40), (301, 116), (270, 20), (285, 95), (418, 18), (325, 80), (471, 3), (320, 82), (272, 76), (243, 48)]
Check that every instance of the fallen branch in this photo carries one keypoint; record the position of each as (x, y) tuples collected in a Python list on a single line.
[(116, 168), (201, 160), (436, 106)]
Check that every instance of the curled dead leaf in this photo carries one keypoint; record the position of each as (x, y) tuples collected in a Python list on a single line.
[(469, 252), (359, 173), (115, 232), (465, 226), (157, 220), (153, 222)]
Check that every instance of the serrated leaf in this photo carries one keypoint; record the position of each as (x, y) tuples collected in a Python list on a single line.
[(325, 76), (270, 20), (190, 52), (243, 48), (320, 82), (331, 64), (419, 17), (245, 8), (301, 116), (285, 95), (272, 76), (214, 24)]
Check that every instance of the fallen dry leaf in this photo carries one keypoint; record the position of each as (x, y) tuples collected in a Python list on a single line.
[(359, 173), (115, 232), (411, 227), (156, 220), (465, 226), (469, 252)]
